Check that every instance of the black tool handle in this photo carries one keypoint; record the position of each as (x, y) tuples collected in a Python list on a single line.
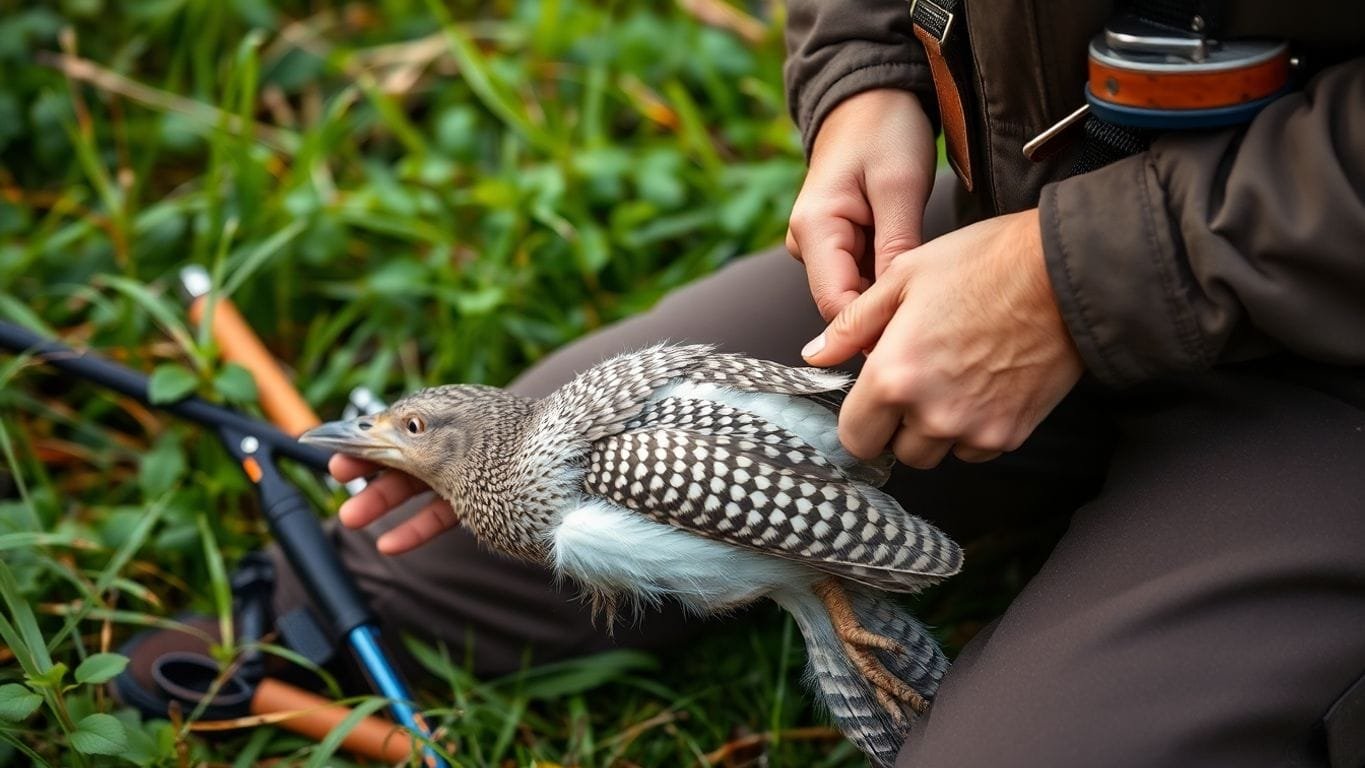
[(255, 444), (89, 365), (295, 526)]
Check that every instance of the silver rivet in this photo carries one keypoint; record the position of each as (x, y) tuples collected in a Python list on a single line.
[(250, 444)]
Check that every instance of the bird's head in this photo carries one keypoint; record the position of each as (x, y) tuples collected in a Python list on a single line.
[(430, 434)]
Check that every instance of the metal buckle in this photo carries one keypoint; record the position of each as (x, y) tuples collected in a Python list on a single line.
[(934, 15), (1130, 34)]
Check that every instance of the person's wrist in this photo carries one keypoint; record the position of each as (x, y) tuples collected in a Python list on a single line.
[(859, 115)]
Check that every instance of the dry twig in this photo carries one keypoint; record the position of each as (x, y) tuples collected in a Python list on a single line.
[(88, 71), (727, 750)]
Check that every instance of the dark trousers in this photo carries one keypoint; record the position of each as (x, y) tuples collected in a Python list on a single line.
[(1205, 607)]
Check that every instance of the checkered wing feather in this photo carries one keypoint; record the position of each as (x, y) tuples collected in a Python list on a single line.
[(730, 475), (602, 399)]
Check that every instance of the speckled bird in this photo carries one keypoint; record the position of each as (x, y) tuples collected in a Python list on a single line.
[(678, 472)]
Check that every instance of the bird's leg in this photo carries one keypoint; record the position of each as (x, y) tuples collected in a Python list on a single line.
[(859, 642)]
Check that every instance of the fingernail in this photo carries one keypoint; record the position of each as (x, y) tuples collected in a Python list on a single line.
[(814, 346)]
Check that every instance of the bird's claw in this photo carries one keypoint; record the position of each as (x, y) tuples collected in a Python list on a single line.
[(859, 645)]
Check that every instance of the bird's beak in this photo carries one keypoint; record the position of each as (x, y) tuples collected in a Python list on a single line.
[(368, 437)]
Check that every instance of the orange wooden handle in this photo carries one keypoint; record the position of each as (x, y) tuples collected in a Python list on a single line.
[(372, 737), (1194, 89), (239, 344)]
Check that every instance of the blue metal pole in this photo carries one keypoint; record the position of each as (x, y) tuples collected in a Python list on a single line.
[(364, 641)]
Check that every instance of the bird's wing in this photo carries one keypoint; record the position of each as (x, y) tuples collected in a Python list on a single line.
[(825, 388), (602, 399), (729, 475)]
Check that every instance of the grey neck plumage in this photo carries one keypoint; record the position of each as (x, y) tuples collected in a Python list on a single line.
[(507, 488)]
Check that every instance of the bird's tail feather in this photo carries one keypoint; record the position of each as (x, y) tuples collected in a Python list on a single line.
[(922, 664), (842, 689)]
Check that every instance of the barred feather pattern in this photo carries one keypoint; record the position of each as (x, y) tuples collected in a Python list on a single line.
[(923, 663), (731, 476), (601, 400), (845, 693)]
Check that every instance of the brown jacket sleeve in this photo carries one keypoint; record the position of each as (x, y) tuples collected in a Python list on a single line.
[(838, 49), (1220, 246)]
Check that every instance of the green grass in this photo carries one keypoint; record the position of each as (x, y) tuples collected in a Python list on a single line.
[(395, 193)]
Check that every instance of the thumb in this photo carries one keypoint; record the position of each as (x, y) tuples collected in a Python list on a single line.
[(857, 327), (898, 213)]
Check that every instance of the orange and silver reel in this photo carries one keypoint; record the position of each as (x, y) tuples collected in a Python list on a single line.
[(1144, 75)]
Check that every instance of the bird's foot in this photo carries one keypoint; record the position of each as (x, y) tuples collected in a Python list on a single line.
[(860, 644)]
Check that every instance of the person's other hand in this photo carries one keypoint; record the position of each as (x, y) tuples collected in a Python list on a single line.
[(862, 203), (968, 349), (381, 496)]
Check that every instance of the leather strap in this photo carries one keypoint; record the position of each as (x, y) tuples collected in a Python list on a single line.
[(934, 24)]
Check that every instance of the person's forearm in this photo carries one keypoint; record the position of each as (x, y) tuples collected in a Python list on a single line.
[(1218, 246), (838, 49)]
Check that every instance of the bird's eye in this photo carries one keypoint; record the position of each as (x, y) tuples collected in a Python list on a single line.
[(416, 426)]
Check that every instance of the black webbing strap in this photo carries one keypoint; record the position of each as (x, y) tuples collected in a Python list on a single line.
[(936, 17), (1105, 142)]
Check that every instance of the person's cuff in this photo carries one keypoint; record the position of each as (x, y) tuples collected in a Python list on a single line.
[(1114, 259), (832, 87)]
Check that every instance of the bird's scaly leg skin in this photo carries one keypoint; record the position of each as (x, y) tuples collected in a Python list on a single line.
[(859, 642)]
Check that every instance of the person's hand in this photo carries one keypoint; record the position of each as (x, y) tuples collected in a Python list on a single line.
[(384, 493), (871, 171), (968, 349)]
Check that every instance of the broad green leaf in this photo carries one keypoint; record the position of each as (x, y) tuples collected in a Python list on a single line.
[(148, 744), (100, 668), (99, 734), (170, 382), (161, 467), (236, 383), (17, 702)]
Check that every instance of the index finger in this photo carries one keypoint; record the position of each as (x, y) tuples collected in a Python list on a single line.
[(347, 468), (379, 498), (866, 424)]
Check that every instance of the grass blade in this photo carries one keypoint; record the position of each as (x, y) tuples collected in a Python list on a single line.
[(475, 71)]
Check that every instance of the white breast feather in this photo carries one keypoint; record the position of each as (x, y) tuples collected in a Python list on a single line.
[(612, 549)]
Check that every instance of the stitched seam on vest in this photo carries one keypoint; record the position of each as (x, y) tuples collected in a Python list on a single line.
[(979, 89), (1185, 334), (1035, 39), (1087, 326)]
